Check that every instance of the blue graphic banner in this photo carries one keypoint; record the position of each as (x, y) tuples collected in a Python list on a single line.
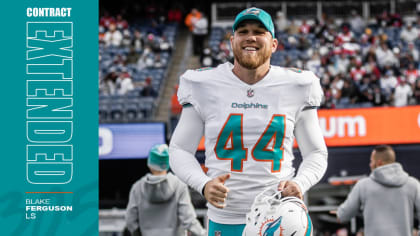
[(122, 141), (49, 140)]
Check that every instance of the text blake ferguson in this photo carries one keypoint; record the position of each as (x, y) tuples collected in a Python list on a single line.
[(48, 12)]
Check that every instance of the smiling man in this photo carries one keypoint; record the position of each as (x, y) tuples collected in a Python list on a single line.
[(249, 148)]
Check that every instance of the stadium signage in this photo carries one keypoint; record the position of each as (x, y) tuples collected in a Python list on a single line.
[(370, 126), (342, 126), (49, 102), (129, 141)]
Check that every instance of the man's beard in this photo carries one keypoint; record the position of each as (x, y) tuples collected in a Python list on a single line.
[(251, 62)]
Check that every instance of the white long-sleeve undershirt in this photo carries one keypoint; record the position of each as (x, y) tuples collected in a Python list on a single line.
[(190, 129), (311, 143), (182, 148)]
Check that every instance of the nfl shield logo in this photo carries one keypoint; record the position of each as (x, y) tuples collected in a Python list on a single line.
[(217, 233), (250, 93)]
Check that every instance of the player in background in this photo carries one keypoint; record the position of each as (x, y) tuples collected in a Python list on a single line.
[(249, 112), (388, 197), (159, 203)]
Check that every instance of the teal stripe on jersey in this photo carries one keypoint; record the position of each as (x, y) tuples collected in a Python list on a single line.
[(309, 228), (216, 229)]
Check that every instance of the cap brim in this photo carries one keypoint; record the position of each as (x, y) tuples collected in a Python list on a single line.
[(249, 17)]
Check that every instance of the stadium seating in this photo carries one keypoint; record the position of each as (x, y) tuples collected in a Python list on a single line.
[(293, 53), (132, 106)]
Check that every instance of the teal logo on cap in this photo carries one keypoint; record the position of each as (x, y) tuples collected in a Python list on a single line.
[(253, 11)]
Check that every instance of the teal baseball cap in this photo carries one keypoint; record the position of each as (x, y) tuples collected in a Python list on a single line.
[(159, 157), (258, 14)]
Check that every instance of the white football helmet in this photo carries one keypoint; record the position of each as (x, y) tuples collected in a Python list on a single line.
[(272, 215)]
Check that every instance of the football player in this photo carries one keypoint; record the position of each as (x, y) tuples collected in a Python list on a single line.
[(249, 113)]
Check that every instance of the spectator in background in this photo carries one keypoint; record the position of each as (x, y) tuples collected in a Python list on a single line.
[(385, 56), (199, 34), (121, 23), (165, 45), (371, 67), (366, 41), (175, 15), (226, 52), (106, 20), (159, 203), (318, 28), (409, 33), (101, 35), (348, 92), (357, 23), (126, 40), (413, 52), (336, 86), (304, 28), (346, 35), (378, 99), (388, 197), (192, 18), (281, 22), (119, 60), (303, 43), (293, 28), (108, 84), (138, 41), (416, 91), (402, 93), (148, 90), (365, 92), (329, 34), (159, 61), (155, 28), (152, 42), (364, 83), (124, 83), (132, 56), (146, 59), (113, 37), (412, 74), (328, 101), (342, 63), (358, 72), (388, 83), (314, 64)]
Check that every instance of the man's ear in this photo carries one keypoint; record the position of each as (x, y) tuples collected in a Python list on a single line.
[(274, 46), (231, 41)]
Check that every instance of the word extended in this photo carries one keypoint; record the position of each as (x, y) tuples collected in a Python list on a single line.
[(49, 102)]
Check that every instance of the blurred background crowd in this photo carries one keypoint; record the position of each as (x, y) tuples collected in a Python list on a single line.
[(361, 62)]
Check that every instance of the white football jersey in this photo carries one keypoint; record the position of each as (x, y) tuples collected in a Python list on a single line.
[(249, 129)]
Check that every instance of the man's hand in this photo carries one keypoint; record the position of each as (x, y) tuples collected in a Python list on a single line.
[(215, 191), (290, 189)]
